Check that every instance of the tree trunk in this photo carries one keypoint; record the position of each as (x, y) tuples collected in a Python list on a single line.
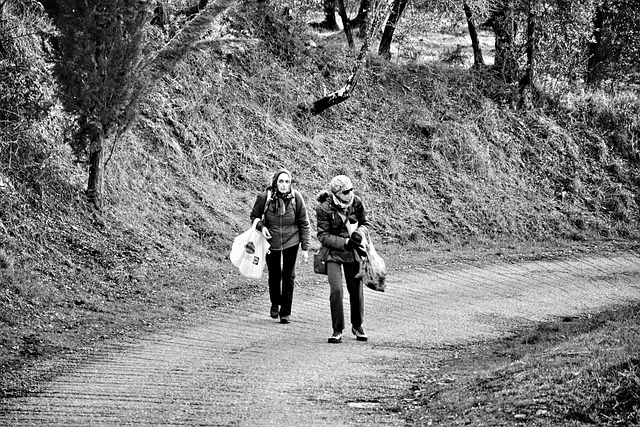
[(397, 8), (160, 16), (95, 182), (473, 33), (329, 23), (526, 85), (345, 23), (360, 21), (505, 29), (594, 46)]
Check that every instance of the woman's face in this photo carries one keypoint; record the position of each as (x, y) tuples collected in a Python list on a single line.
[(345, 195), (284, 182)]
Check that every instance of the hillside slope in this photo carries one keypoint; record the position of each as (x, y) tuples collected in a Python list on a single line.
[(438, 154)]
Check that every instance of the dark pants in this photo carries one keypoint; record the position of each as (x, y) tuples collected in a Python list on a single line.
[(282, 275), (356, 295)]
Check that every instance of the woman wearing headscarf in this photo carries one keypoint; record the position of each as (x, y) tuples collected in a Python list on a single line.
[(342, 222), (286, 226)]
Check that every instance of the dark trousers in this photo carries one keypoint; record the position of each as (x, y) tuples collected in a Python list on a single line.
[(356, 295), (282, 276)]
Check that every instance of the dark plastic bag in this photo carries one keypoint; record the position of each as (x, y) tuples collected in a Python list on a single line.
[(373, 270)]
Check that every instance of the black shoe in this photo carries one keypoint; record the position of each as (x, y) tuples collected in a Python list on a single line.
[(274, 311), (335, 338), (285, 319), (359, 333)]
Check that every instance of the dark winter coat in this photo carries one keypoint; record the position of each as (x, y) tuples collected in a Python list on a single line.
[(286, 230), (332, 229)]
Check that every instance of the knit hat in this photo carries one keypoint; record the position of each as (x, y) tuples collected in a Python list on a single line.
[(339, 184)]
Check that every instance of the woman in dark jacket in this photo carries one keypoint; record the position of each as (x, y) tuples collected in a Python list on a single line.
[(286, 226), (342, 221)]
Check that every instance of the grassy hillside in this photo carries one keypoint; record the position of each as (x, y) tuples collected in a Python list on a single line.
[(438, 153)]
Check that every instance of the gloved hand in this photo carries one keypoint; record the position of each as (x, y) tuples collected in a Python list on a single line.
[(351, 244), (348, 244), (359, 250), (356, 237)]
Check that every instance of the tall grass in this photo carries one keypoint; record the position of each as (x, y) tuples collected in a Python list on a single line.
[(573, 371)]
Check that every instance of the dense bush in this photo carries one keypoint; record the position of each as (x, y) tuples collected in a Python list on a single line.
[(618, 57), (27, 98)]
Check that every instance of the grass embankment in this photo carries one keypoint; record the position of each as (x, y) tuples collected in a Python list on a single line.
[(576, 371), (436, 152)]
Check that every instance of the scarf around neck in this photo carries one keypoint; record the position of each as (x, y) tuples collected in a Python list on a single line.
[(280, 201), (342, 206)]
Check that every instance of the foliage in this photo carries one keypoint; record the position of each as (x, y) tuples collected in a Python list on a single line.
[(100, 52), (562, 39), (619, 54), (563, 33), (451, 12), (279, 34), (564, 30), (25, 82), (31, 124)]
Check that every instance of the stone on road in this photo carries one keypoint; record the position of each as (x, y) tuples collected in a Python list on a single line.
[(238, 367)]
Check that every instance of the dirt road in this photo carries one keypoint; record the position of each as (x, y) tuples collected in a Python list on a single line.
[(238, 367)]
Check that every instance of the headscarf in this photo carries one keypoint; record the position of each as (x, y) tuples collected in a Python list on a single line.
[(337, 185), (279, 199)]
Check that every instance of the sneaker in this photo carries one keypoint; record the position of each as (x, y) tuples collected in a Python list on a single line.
[(336, 337), (285, 319), (359, 333), (274, 311)]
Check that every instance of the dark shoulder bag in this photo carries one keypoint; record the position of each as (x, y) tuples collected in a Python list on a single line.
[(320, 261)]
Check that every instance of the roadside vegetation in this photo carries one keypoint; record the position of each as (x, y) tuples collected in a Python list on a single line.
[(570, 372), (446, 157)]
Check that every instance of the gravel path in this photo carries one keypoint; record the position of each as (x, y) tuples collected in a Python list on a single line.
[(238, 367)]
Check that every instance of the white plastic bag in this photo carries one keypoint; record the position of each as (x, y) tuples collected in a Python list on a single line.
[(249, 251)]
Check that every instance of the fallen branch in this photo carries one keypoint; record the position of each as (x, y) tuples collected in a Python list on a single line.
[(344, 93)]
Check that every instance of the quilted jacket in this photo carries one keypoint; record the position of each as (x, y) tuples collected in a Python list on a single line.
[(287, 230), (332, 228)]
